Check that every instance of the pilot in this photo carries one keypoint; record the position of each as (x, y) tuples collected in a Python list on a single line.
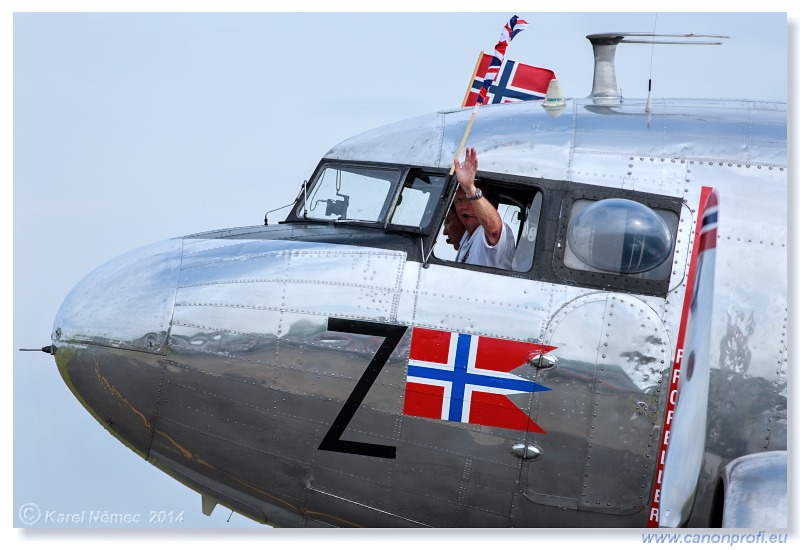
[(453, 229), (487, 241)]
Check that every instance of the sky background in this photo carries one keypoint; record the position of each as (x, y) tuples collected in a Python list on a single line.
[(131, 128)]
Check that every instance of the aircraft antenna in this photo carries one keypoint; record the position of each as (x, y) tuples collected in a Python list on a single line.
[(648, 107), (275, 210), (46, 349)]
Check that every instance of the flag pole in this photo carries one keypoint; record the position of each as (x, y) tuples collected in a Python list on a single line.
[(472, 80), (464, 138), (474, 110)]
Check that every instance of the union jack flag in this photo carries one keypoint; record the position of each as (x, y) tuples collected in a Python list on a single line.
[(465, 378), (516, 82), (511, 29)]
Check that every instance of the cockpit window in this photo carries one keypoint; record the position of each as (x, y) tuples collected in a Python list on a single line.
[(351, 193), (619, 236), (520, 210), (418, 200)]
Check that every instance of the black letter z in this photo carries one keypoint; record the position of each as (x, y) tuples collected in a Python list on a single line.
[(392, 335)]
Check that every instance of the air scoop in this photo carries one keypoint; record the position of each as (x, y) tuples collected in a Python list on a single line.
[(604, 84)]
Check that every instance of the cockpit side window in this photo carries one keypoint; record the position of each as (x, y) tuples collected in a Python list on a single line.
[(520, 211), (418, 200)]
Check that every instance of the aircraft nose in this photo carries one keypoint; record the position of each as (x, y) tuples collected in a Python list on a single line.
[(110, 338)]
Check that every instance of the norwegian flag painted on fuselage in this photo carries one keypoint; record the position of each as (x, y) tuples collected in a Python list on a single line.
[(516, 82), (464, 378)]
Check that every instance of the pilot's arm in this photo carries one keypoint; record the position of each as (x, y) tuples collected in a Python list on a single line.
[(487, 214)]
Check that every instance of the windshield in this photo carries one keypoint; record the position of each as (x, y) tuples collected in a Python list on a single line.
[(351, 193)]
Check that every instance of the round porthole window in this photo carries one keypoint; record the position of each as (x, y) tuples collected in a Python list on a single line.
[(619, 236)]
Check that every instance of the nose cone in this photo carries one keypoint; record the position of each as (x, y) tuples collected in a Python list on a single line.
[(126, 303), (110, 336)]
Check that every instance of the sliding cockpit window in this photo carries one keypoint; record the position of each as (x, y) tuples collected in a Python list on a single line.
[(519, 208), (418, 200)]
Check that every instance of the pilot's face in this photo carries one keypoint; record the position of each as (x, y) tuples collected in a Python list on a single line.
[(453, 229), (465, 211)]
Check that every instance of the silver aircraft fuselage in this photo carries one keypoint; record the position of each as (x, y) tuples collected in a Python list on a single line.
[(278, 370)]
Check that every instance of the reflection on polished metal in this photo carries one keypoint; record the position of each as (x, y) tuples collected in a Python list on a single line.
[(543, 361), (756, 493), (267, 367), (126, 303), (527, 452)]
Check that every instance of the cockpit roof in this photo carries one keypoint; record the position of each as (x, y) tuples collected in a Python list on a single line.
[(523, 138)]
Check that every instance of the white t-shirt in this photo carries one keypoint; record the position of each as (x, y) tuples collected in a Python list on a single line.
[(474, 249)]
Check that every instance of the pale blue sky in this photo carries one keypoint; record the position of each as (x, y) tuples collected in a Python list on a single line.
[(131, 128)]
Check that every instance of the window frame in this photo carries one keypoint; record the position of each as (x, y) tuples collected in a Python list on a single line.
[(393, 196), (558, 196), (522, 190), (606, 280)]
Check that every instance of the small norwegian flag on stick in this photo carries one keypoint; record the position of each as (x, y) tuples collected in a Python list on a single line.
[(514, 26), (512, 29)]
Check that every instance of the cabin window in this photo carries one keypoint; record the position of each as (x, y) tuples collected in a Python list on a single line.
[(620, 236), (351, 193)]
